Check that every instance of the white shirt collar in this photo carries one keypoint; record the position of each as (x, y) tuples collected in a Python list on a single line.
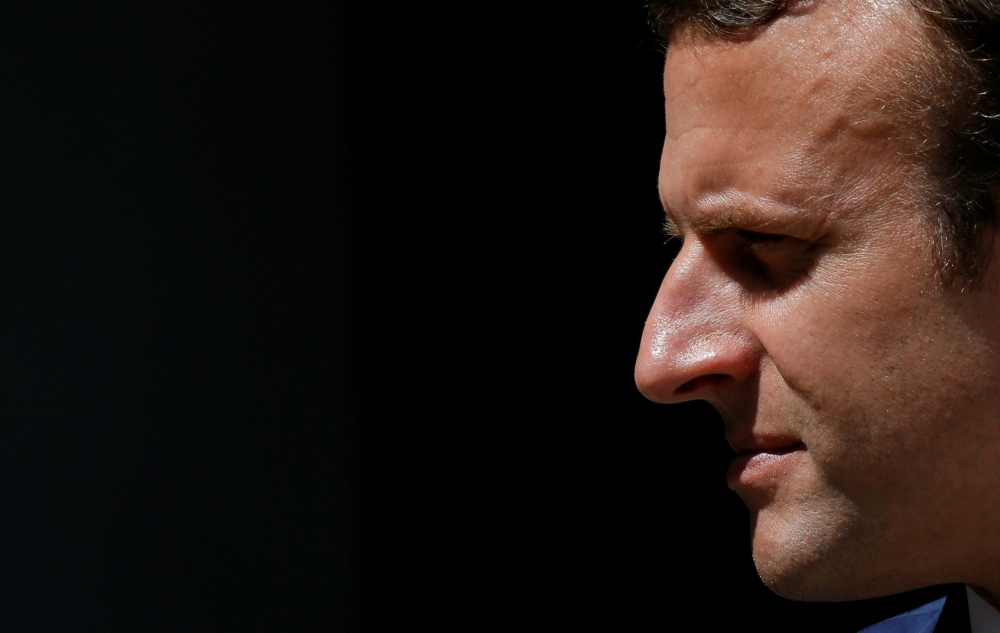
[(982, 616)]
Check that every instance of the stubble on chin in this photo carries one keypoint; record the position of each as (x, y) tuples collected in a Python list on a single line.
[(805, 545)]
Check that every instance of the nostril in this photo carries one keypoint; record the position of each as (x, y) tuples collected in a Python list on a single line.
[(709, 380)]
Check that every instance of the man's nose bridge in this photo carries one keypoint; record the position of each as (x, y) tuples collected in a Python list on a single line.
[(694, 305), (689, 330), (686, 351), (695, 330)]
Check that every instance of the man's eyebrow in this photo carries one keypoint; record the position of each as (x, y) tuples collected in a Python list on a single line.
[(746, 218), (670, 228)]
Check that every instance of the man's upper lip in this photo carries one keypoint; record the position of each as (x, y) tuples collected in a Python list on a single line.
[(765, 444)]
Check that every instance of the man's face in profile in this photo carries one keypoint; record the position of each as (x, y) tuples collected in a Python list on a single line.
[(807, 304)]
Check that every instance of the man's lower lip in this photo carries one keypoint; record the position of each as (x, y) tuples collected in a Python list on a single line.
[(746, 468)]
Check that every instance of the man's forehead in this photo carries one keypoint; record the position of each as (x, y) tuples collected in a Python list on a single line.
[(828, 57), (796, 113)]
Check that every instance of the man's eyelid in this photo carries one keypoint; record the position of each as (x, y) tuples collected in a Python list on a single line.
[(777, 230)]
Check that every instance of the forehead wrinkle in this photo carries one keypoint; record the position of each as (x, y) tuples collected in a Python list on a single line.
[(834, 74)]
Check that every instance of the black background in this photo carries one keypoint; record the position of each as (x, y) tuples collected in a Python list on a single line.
[(322, 315), (178, 411)]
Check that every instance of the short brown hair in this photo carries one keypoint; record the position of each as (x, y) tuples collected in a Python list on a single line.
[(967, 165)]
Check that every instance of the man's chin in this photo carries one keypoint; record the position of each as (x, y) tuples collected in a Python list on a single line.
[(797, 584), (827, 557), (816, 584), (802, 562), (807, 582)]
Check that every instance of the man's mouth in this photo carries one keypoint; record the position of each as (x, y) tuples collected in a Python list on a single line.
[(762, 463)]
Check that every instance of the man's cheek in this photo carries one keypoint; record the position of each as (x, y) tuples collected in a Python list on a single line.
[(835, 353)]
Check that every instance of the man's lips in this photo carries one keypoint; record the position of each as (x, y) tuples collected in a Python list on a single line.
[(766, 461)]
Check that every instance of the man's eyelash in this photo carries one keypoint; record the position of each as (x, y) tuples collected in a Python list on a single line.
[(672, 230)]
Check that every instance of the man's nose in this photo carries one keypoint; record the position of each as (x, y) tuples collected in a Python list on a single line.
[(695, 342)]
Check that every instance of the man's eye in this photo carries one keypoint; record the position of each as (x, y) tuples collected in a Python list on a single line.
[(752, 238), (771, 247), (778, 257)]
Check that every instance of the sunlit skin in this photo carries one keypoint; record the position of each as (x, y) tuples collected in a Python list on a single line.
[(806, 305)]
